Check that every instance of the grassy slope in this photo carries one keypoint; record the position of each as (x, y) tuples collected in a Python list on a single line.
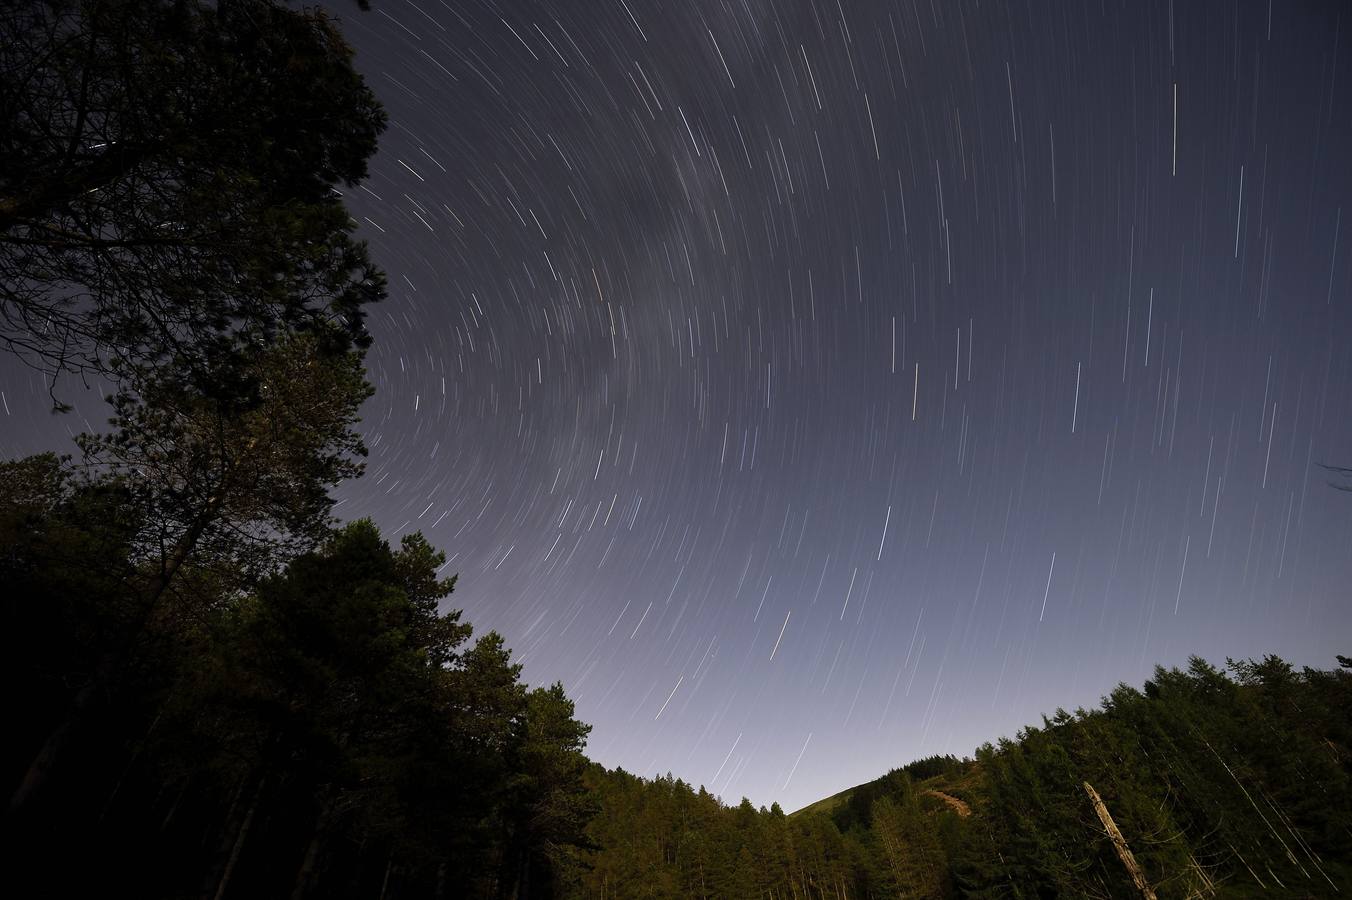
[(964, 785), (826, 804)]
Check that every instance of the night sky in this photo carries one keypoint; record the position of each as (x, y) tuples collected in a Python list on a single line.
[(814, 386)]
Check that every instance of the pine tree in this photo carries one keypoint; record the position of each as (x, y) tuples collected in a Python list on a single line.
[(168, 182)]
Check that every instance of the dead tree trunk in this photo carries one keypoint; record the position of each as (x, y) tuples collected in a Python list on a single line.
[(1120, 844)]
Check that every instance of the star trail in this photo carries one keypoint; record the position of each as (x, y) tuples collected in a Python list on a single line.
[(812, 386)]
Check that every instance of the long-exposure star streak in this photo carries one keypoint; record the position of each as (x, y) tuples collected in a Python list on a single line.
[(705, 314)]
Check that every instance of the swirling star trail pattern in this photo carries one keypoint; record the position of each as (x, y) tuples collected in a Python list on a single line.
[(812, 386)]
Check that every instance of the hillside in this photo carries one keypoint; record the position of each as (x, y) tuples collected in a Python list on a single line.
[(932, 768), (826, 804), (1232, 782)]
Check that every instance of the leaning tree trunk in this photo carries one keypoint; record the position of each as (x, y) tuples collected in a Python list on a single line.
[(309, 865), (1120, 844), (103, 678), (238, 845), (59, 741), (385, 882)]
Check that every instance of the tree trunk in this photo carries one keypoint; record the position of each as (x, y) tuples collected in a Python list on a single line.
[(239, 840), (169, 816), (310, 863), (49, 755), (385, 882), (131, 763), (182, 550), (103, 678), (1120, 844)]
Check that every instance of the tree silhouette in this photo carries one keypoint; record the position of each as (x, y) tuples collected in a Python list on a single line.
[(169, 177)]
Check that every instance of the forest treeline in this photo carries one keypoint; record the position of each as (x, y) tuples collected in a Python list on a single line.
[(324, 732), (216, 689), (1226, 782), (328, 732)]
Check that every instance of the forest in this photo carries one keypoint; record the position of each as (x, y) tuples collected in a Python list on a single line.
[(216, 688), (1228, 782)]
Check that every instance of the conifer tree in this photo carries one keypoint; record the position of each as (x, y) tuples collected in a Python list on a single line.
[(169, 182)]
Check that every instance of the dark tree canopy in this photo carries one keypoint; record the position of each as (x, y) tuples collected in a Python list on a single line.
[(169, 177), (329, 732), (213, 689), (239, 481)]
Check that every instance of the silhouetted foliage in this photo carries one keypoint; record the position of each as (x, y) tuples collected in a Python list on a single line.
[(212, 691), (168, 182), (327, 733)]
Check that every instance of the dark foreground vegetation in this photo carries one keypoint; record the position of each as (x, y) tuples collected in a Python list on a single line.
[(325, 731), (213, 689)]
